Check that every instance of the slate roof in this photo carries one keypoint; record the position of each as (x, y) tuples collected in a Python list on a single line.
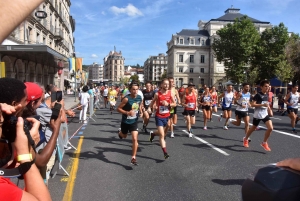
[(192, 32), (231, 16)]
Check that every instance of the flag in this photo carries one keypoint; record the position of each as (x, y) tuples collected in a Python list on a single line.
[(70, 64), (79, 64), (73, 64), (2, 69)]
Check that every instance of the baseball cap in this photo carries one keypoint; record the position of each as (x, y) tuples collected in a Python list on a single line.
[(191, 84), (34, 91)]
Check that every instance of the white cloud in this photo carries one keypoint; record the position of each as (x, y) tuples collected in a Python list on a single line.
[(129, 10), (91, 16), (94, 56), (103, 13)]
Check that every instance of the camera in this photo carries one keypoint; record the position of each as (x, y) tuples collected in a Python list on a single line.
[(9, 127)]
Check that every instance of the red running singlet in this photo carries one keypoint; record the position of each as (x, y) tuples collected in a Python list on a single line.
[(163, 111), (190, 100)]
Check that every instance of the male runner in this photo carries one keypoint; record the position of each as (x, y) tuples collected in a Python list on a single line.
[(189, 102), (214, 104), (105, 93), (291, 100), (243, 103), (164, 100), (112, 94), (262, 105), (228, 97), (173, 112), (148, 97), (130, 107), (125, 90)]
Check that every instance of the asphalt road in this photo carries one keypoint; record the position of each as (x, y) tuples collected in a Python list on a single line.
[(194, 171)]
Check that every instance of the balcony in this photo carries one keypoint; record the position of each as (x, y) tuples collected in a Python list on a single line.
[(58, 34)]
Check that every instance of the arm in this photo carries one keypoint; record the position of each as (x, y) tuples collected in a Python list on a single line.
[(293, 163), (173, 103), (219, 98), (153, 101), (287, 98), (177, 97), (120, 107), (183, 101)]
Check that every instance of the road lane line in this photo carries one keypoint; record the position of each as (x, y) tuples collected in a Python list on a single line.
[(208, 144), (71, 182)]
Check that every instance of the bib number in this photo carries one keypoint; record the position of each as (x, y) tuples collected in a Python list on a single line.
[(134, 116), (147, 102), (191, 105), (163, 109)]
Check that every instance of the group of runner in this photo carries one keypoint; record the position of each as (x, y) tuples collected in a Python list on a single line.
[(163, 103)]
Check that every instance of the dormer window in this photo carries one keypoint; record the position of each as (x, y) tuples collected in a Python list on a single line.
[(202, 42), (192, 41), (181, 41)]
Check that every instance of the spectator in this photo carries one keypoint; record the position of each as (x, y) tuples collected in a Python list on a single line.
[(84, 101), (280, 102)]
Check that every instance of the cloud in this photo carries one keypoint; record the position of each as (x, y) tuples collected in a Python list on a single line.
[(94, 56), (129, 10), (91, 16), (103, 13)]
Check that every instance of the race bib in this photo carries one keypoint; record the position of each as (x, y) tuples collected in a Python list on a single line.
[(191, 105), (111, 97), (264, 102), (228, 102), (147, 102), (163, 109), (134, 116)]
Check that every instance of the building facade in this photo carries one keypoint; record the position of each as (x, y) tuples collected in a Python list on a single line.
[(114, 66), (154, 67), (38, 49), (95, 73), (190, 54)]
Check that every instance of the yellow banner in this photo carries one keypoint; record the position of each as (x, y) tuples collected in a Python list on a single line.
[(79, 64), (2, 69), (73, 64)]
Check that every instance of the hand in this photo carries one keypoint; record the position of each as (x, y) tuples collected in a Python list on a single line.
[(131, 113), (34, 131), (21, 142), (70, 113), (55, 123), (149, 110), (293, 163), (266, 104)]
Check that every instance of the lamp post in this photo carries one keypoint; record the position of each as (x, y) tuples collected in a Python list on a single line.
[(199, 82)]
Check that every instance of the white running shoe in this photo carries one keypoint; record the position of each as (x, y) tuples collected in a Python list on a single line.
[(205, 128), (85, 122), (225, 128), (172, 135), (190, 135), (220, 117)]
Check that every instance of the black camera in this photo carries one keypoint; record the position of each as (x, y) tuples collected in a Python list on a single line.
[(9, 127)]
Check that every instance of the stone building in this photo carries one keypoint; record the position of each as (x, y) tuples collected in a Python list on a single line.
[(38, 49), (154, 67), (114, 66), (95, 73), (190, 55)]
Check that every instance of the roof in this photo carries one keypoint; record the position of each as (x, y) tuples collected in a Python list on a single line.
[(192, 32), (232, 13)]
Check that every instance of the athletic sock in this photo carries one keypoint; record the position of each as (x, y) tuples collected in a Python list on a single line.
[(164, 150)]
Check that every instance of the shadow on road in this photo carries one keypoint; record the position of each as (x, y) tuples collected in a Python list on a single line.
[(227, 182)]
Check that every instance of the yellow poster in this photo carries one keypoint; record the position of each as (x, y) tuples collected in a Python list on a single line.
[(2, 69)]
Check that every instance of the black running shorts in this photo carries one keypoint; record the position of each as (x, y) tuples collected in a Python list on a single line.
[(189, 113), (289, 110), (241, 114), (255, 121), (128, 128), (206, 107)]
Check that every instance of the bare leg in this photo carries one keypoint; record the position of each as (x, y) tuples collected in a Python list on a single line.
[(134, 143), (269, 130)]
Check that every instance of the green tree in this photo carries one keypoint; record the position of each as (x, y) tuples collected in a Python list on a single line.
[(235, 46), (124, 80), (135, 77), (270, 58), (164, 75), (293, 55)]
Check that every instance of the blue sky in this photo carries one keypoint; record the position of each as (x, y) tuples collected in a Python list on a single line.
[(142, 28)]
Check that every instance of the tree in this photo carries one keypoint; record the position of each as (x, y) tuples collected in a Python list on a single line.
[(270, 58), (292, 51), (124, 80), (135, 77), (164, 75), (235, 46)]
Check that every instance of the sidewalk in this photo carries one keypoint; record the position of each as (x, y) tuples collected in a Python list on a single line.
[(70, 101)]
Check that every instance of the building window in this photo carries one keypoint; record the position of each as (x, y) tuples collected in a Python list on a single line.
[(201, 70), (191, 70), (202, 59), (191, 80), (180, 70), (192, 41), (180, 58), (202, 81), (181, 41), (191, 58), (203, 42)]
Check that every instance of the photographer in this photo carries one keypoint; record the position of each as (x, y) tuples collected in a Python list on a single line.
[(35, 188)]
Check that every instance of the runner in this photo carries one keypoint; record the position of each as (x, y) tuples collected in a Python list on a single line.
[(125, 90), (206, 102), (148, 97), (105, 93), (291, 100), (164, 100), (173, 112), (214, 104), (112, 95), (228, 97), (243, 103), (130, 107), (189, 102), (262, 108)]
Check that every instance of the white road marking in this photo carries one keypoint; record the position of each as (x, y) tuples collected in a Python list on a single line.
[(277, 131), (208, 144)]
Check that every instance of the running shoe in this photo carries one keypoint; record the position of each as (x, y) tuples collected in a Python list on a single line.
[(172, 135), (85, 122), (265, 146), (283, 113), (151, 136), (146, 131), (257, 128), (166, 156), (205, 128), (294, 131), (144, 128), (119, 130), (225, 128), (245, 142), (190, 135), (133, 161)]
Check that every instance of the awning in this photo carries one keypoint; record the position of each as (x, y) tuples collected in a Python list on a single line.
[(36, 53)]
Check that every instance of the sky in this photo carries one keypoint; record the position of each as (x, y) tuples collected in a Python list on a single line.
[(142, 28)]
